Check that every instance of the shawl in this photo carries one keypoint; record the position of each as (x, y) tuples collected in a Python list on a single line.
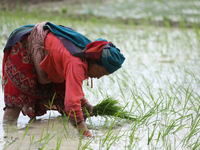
[(65, 34), (36, 51)]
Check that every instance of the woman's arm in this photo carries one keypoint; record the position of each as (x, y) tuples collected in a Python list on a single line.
[(74, 75)]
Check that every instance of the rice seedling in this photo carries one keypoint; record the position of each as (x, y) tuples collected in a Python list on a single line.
[(111, 107), (25, 134), (12, 140), (31, 141)]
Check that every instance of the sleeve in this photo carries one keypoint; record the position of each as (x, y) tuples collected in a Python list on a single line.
[(74, 76)]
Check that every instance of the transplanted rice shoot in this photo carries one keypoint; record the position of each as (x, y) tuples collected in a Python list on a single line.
[(111, 107)]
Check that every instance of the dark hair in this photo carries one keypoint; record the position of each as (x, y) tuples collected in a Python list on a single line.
[(95, 62), (99, 63)]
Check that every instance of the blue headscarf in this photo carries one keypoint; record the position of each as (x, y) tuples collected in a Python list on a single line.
[(106, 52), (112, 59)]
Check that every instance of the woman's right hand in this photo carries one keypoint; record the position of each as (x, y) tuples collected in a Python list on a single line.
[(82, 128)]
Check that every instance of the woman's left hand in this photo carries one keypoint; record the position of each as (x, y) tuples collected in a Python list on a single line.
[(89, 108)]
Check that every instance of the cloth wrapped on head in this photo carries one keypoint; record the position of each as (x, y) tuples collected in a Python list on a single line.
[(105, 52)]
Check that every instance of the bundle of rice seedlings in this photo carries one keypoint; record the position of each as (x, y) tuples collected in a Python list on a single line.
[(111, 107)]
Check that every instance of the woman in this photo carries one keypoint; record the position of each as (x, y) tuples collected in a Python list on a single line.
[(44, 66)]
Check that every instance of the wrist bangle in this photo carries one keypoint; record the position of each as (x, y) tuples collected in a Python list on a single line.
[(87, 133), (84, 101)]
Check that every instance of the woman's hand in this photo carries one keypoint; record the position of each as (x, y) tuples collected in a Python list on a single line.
[(82, 128), (89, 108)]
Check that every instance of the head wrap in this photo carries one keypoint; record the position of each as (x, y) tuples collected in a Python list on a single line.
[(105, 52)]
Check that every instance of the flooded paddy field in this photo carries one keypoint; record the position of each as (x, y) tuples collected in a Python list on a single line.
[(159, 83), (179, 13)]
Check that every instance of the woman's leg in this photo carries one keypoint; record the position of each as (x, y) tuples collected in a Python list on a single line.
[(19, 81), (11, 115)]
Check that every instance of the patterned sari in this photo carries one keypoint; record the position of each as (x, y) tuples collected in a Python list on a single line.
[(21, 87)]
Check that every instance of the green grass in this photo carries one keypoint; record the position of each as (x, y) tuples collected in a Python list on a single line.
[(158, 83)]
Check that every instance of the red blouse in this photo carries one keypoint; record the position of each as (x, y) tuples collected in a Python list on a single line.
[(61, 66)]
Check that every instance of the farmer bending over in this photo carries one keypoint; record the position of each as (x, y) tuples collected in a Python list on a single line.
[(45, 60)]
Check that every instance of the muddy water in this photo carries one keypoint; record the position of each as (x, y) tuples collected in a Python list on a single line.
[(38, 131), (41, 132), (1, 116)]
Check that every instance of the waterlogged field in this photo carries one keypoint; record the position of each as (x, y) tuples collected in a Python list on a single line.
[(158, 84), (159, 12)]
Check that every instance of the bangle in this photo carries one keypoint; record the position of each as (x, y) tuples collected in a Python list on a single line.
[(87, 133), (84, 101)]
